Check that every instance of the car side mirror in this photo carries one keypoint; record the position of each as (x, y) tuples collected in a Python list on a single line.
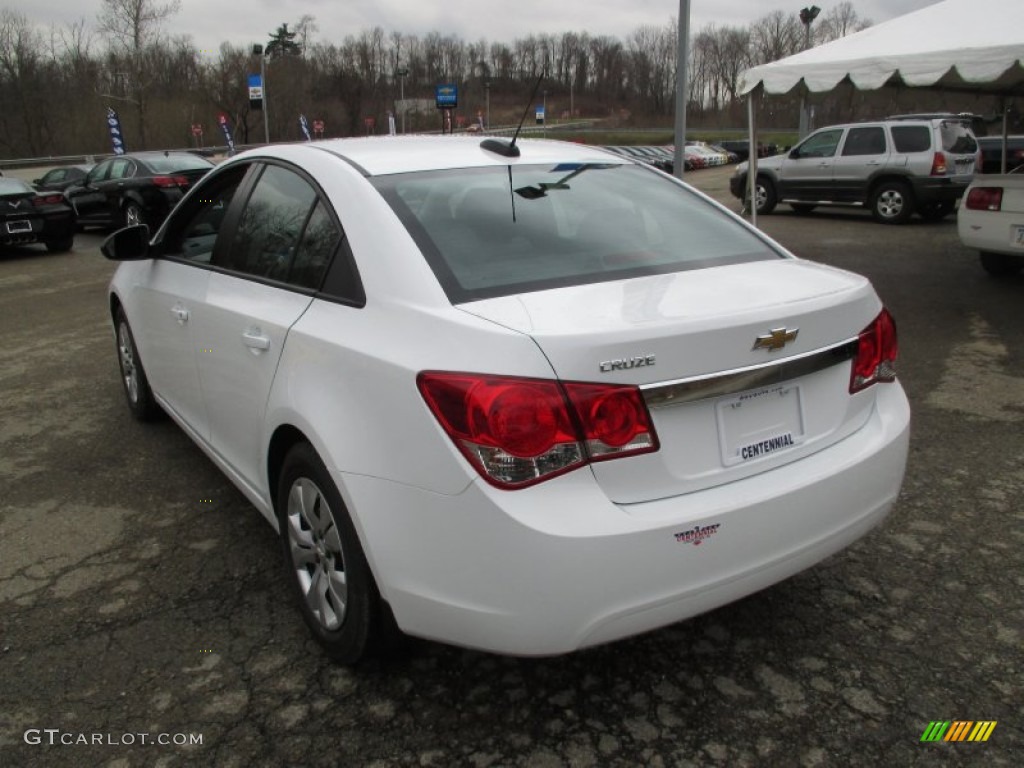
[(128, 244), (794, 153), (37, 181)]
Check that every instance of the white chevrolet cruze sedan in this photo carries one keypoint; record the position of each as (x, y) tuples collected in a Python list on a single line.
[(522, 398)]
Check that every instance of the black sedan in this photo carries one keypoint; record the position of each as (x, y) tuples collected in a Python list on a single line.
[(27, 216), (59, 179), (137, 188)]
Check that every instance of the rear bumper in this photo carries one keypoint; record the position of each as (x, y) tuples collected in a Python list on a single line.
[(990, 232), (930, 189), (44, 228), (558, 567)]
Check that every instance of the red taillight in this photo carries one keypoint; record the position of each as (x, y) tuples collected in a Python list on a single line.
[(614, 419), (939, 164), (877, 349), (519, 431), (48, 199), (170, 181), (985, 199)]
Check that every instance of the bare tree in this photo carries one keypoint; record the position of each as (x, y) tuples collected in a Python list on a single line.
[(840, 20), (775, 36), (130, 27)]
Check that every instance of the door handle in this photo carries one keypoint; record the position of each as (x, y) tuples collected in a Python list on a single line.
[(180, 314), (256, 340)]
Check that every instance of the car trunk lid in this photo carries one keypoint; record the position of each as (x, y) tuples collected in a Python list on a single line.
[(743, 367)]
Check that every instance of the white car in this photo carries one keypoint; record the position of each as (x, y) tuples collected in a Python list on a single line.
[(525, 399), (991, 219)]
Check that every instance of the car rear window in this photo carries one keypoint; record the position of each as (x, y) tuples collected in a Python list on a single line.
[(957, 138), (911, 138), (502, 230), (172, 163)]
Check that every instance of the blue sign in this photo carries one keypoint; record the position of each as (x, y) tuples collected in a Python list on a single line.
[(446, 96), (116, 136), (255, 87), (540, 115)]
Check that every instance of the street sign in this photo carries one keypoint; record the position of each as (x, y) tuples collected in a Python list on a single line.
[(540, 115), (197, 129), (255, 92), (446, 96), (318, 126)]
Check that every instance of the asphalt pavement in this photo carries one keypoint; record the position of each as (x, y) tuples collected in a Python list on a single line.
[(143, 607)]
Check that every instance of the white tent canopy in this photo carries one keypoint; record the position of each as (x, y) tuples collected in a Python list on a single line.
[(973, 45)]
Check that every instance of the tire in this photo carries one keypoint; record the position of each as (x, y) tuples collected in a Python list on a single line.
[(892, 202), (133, 376), (132, 214), (1001, 264), (63, 245), (765, 195), (802, 208), (327, 569), (935, 211)]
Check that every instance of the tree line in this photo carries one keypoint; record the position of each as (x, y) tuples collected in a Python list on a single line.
[(56, 84)]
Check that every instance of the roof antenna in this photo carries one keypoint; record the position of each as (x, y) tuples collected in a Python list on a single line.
[(510, 149)]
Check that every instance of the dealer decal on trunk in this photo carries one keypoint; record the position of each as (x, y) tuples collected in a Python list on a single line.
[(697, 534)]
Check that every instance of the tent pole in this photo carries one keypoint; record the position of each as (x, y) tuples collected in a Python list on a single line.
[(1002, 164), (752, 159)]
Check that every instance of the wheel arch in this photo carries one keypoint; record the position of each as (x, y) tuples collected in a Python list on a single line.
[(880, 177), (285, 437)]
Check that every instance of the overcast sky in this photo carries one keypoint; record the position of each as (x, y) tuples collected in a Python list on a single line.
[(211, 22)]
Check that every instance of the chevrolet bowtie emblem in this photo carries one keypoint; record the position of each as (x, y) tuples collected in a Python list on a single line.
[(777, 338)]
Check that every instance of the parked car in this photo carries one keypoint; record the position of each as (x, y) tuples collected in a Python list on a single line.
[(59, 179), (991, 219), (992, 153), (526, 406), (892, 167), (712, 158), (27, 216), (730, 156), (137, 188), (653, 156)]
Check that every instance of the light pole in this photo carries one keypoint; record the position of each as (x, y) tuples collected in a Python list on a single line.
[(682, 60), (257, 50), (807, 16), (402, 74), (487, 114)]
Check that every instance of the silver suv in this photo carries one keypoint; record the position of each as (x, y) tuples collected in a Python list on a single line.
[(894, 167)]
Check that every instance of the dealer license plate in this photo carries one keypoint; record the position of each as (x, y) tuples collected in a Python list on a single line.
[(760, 423), (1017, 236), (16, 227)]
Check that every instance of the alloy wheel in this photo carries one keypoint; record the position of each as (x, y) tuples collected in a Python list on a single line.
[(127, 357), (316, 553)]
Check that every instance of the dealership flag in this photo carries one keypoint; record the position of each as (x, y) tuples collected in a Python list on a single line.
[(305, 127), (226, 127), (116, 137)]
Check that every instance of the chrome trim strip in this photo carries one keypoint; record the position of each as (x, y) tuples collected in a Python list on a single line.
[(669, 393)]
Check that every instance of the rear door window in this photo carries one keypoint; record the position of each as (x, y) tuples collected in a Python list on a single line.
[(868, 140)]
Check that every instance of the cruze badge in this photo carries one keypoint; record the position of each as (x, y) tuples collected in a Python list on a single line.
[(626, 363), (777, 338)]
